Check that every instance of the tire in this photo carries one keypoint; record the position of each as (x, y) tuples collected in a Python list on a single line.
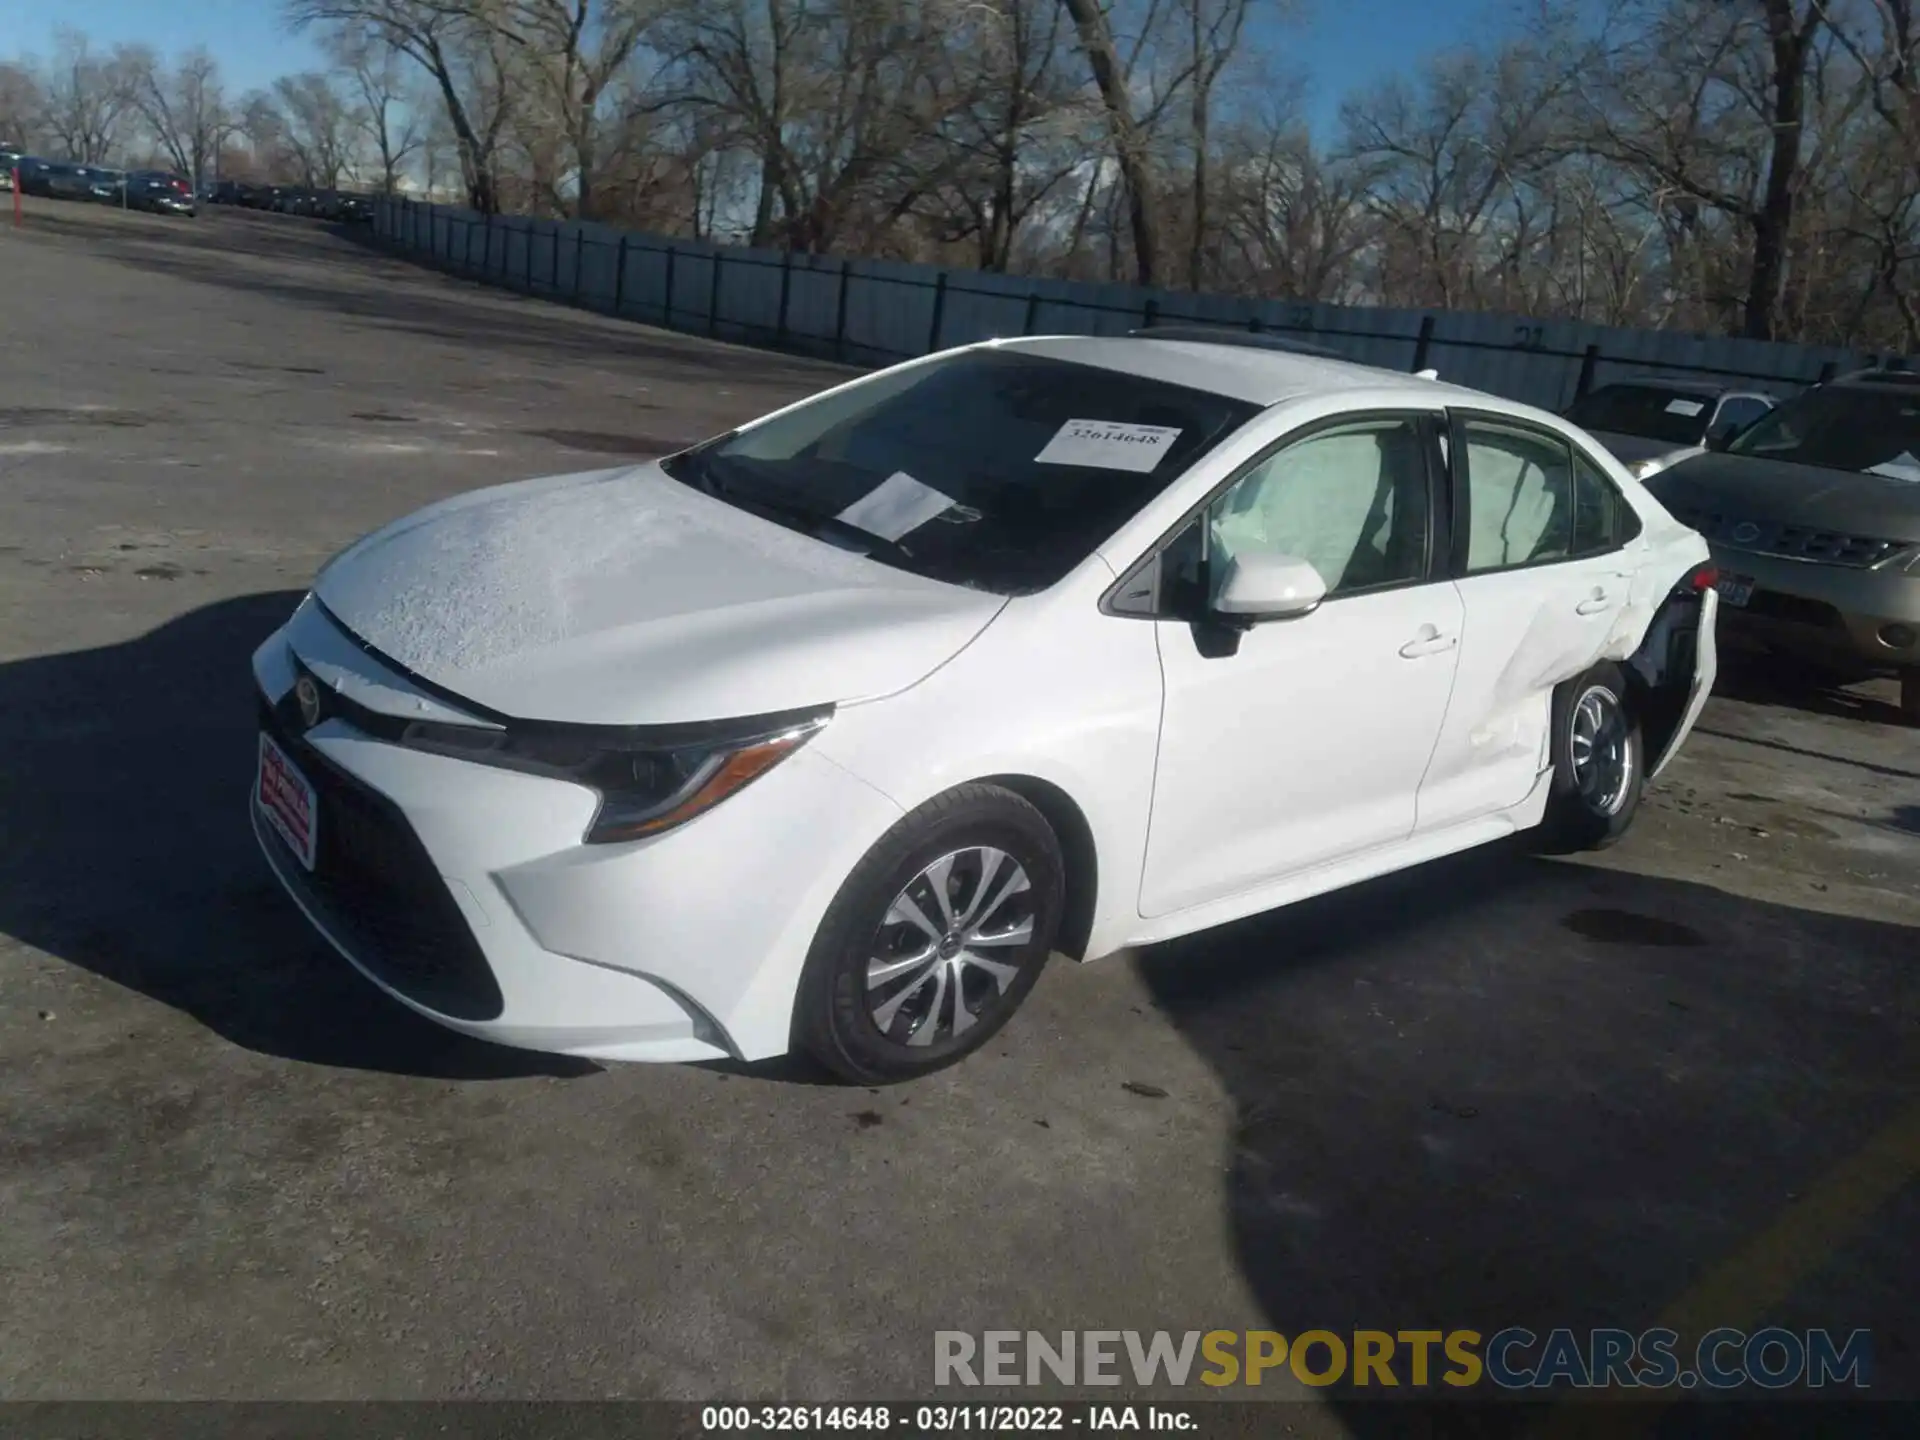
[(1910, 697), (1584, 810), (908, 1025)]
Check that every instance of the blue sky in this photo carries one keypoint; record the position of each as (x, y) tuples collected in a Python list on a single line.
[(1339, 44)]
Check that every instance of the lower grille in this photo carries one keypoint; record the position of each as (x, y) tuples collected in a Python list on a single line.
[(380, 891), (1793, 542)]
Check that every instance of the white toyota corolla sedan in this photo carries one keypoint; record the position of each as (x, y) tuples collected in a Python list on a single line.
[(828, 731)]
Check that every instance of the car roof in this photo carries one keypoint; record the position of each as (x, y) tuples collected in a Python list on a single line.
[(1221, 335), (1257, 375), (1885, 377)]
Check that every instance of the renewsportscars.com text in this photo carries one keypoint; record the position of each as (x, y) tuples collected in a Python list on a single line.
[(1511, 1359)]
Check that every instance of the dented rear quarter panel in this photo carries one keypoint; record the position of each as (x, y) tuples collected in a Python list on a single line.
[(1530, 630)]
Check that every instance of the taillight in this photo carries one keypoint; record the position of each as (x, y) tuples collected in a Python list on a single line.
[(1700, 579)]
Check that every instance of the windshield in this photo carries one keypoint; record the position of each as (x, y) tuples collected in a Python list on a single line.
[(1651, 411), (992, 469), (1867, 428)]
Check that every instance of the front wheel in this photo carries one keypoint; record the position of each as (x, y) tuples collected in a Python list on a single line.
[(934, 940), (1599, 767)]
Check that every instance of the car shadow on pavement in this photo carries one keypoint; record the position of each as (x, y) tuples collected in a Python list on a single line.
[(1503, 1091), (126, 850), (1763, 680)]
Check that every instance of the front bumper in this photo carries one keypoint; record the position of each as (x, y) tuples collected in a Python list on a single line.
[(464, 892), (1827, 614)]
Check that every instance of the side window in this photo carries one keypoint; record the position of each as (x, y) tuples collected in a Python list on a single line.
[(1519, 497), (1350, 501), (1737, 413), (1602, 520)]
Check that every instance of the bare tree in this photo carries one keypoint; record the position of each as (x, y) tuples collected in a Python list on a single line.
[(1747, 166), (1213, 29), (1290, 222), (1130, 147), (439, 147), (834, 99), (1708, 102), (451, 40), (1013, 131), (574, 51), (320, 125), (390, 123), (184, 107), (21, 104), (1883, 182), (1452, 167), (86, 97)]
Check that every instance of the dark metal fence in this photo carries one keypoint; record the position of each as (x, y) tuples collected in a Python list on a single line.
[(872, 312)]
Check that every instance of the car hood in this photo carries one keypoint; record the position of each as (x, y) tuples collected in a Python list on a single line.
[(622, 597), (1744, 487)]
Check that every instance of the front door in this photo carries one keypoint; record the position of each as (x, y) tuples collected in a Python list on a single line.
[(1306, 742)]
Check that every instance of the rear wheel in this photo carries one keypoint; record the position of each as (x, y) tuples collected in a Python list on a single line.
[(934, 940), (1599, 768)]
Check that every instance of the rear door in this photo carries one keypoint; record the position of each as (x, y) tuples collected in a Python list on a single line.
[(1544, 558)]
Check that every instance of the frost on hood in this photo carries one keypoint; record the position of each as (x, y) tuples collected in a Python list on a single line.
[(526, 566)]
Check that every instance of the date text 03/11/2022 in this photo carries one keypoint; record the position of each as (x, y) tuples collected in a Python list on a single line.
[(943, 1419)]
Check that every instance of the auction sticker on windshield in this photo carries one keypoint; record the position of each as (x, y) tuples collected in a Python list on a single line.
[(1108, 445), (288, 801), (895, 506)]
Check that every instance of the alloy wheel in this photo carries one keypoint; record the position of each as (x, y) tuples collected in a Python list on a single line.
[(948, 947), (1602, 750)]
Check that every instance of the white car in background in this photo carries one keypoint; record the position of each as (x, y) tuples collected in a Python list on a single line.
[(828, 731), (1653, 423)]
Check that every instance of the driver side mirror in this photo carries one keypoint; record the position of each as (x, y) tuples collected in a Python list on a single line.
[(1268, 587)]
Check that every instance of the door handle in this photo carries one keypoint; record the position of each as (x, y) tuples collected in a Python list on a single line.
[(1428, 642), (1596, 602)]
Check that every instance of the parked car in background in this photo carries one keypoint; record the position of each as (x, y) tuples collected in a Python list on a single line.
[(9, 158), (356, 209), (161, 192), (709, 756), (106, 187), (66, 181), (36, 176), (1650, 423), (1814, 517)]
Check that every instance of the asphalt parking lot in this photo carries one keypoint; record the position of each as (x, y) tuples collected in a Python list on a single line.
[(1680, 1082)]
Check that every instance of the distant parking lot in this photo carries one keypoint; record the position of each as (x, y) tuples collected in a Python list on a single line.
[(1495, 1091)]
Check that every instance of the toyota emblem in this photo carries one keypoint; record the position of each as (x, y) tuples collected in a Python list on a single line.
[(308, 695), (1745, 532)]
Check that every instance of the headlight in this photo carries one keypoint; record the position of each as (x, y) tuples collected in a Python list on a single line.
[(648, 781)]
